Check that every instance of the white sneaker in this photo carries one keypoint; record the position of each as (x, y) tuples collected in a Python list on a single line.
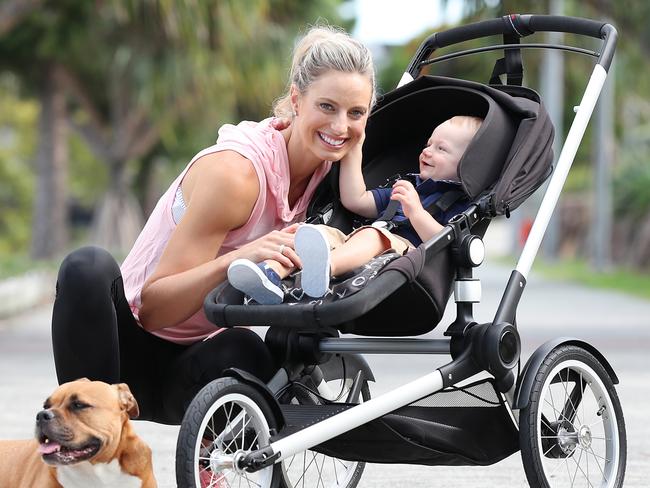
[(258, 281), (313, 248)]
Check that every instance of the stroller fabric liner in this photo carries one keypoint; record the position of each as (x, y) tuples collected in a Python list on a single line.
[(508, 159)]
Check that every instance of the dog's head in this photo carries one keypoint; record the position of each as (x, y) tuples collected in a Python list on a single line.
[(83, 420)]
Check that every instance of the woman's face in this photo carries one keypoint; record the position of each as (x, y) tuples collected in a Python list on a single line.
[(331, 114)]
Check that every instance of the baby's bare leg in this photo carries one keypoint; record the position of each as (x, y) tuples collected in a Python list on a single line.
[(358, 250), (279, 268)]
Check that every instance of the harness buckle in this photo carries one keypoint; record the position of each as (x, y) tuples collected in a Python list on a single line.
[(383, 224)]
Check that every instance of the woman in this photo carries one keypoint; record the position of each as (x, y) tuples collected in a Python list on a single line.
[(241, 198)]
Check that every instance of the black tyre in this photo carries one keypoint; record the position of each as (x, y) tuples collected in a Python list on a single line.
[(225, 417), (310, 468), (572, 432)]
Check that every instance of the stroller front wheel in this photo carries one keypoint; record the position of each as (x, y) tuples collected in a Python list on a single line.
[(572, 431), (224, 418)]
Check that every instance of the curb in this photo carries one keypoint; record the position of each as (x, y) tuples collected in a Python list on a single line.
[(23, 292)]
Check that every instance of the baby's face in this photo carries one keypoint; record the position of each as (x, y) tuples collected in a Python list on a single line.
[(439, 158)]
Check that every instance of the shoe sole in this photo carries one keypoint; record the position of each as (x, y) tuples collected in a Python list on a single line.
[(247, 277), (312, 246)]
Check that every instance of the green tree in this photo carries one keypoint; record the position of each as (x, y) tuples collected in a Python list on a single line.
[(32, 43), (17, 140), (145, 78)]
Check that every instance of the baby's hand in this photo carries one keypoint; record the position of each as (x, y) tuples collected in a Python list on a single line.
[(354, 155), (404, 193)]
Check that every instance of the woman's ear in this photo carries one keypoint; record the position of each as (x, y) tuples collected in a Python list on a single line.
[(295, 99)]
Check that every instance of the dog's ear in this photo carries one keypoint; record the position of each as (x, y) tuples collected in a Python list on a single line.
[(82, 379), (128, 401)]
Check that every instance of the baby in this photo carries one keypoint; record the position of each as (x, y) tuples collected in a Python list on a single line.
[(325, 251)]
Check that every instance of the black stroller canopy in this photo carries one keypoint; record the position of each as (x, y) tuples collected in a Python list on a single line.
[(516, 135), (508, 158)]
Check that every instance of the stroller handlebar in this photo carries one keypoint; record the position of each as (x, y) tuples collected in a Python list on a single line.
[(518, 26)]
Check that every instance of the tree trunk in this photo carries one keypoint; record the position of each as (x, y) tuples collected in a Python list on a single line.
[(118, 217), (50, 225)]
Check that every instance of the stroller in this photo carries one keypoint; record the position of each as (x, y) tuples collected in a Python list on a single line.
[(314, 423)]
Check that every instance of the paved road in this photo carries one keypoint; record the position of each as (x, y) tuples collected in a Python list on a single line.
[(618, 325)]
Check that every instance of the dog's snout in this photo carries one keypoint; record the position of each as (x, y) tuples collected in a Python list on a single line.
[(44, 416)]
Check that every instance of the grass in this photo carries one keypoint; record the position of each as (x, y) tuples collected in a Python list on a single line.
[(15, 265), (619, 279)]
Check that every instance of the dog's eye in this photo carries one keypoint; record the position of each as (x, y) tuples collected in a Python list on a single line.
[(77, 405)]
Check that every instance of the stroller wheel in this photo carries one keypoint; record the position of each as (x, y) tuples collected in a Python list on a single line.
[(572, 432), (312, 468), (225, 417)]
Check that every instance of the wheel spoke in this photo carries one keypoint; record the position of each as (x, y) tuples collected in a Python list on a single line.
[(583, 385), (600, 468), (257, 435), (233, 440), (575, 473), (336, 475), (559, 415), (596, 456), (320, 471), (548, 450), (586, 457), (243, 433), (552, 404), (586, 475)]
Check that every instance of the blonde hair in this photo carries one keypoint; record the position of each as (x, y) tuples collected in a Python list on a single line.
[(469, 121), (321, 49)]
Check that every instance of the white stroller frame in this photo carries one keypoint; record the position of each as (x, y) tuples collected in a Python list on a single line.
[(501, 354)]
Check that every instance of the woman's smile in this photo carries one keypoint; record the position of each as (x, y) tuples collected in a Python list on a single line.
[(335, 142)]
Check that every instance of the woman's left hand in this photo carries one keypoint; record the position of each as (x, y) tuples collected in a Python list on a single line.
[(404, 192), (277, 245)]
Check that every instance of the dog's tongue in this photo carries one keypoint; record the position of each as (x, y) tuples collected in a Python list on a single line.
[(48, 448)]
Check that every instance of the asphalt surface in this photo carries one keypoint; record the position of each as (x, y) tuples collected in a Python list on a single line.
[(618, 325)]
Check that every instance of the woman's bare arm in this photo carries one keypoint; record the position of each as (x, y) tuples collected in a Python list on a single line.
[(220, 191)]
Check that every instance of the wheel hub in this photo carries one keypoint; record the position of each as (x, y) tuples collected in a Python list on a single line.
[(584, 434), (220, 461), (567, 439)]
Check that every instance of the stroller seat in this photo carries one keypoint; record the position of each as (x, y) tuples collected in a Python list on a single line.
[(508, 159)]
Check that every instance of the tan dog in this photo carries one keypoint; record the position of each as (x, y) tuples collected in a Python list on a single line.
[(83, 439)]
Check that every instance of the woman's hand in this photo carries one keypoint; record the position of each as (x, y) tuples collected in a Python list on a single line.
[(280, 123), (277, 245), (404, 192)]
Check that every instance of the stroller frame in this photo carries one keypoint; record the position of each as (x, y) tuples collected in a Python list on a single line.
[(465, 365), (493, 347)]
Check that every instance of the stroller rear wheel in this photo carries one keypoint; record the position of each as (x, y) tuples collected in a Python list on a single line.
[(311, 468), (572, 431), (224, 418)]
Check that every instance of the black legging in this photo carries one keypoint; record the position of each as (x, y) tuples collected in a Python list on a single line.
[(95, 335)]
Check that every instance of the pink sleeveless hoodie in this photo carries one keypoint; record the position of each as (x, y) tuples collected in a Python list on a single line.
[(266, 149)]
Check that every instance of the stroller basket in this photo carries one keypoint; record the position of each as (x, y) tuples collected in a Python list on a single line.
[(456, 427), (509, 157)]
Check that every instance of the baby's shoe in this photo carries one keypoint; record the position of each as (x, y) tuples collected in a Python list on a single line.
[(313, 247), (258, 281)]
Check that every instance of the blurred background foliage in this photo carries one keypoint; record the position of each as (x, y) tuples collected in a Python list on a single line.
[(104, 101)]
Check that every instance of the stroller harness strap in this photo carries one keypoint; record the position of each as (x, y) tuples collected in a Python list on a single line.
[(442, 203)]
